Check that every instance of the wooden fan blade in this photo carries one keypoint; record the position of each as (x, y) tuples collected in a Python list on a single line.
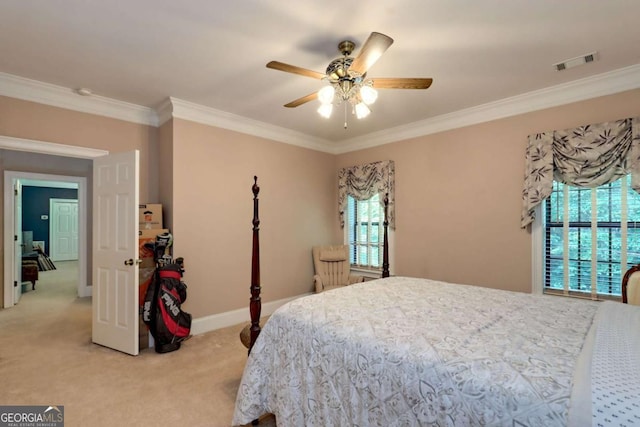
[(295, 70), (401, 83), (302, 100), (371, 51)]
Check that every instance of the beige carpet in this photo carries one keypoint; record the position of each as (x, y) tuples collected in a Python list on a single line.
[(47, 358)]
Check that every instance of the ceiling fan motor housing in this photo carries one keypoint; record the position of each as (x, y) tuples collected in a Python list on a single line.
[(346, 47), (337, 69)]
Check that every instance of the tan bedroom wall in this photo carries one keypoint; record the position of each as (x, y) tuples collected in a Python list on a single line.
[(458, 194), (29, 120), (213, 173)]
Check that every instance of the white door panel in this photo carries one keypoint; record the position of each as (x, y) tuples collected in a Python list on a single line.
[(63, 229), (115, 242)]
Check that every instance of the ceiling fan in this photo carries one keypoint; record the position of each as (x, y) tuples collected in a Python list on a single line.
[(347, 78)]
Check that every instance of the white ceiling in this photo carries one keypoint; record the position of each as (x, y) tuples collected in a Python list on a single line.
[(213, 54)]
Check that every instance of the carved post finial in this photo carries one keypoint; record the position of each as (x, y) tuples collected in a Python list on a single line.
[(255, 187)]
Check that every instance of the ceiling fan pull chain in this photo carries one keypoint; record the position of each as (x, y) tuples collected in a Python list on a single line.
[(345, 115)]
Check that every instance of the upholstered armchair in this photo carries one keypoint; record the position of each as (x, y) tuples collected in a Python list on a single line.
[(332, 267)]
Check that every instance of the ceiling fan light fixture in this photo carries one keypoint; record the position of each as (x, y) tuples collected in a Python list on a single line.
[(368, 94), (325, 110), (347, 79), (325, 95), (362, 110)]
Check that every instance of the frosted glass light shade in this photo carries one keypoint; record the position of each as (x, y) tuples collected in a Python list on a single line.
[(368, 94), (362, 110), (325, 110), (325, 95)]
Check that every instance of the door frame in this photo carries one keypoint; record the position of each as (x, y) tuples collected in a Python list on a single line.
[(10, 178), (18, 243), (51, 148)]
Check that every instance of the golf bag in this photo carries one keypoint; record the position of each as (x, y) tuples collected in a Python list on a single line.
[(162, 311)]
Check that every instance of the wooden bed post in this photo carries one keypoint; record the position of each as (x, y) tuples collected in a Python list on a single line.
[(385, 244), (255, 304)]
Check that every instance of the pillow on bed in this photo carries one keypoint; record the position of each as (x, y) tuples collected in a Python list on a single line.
[(333, 255)]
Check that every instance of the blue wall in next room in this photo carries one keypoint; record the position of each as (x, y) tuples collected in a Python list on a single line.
[(35, 203)]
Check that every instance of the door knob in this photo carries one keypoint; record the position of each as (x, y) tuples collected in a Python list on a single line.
[(131, 261)]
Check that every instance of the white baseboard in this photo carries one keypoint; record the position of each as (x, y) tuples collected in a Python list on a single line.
[(85, 291), (234, 317)]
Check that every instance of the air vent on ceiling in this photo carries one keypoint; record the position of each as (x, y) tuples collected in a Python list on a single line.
[(574, 62)]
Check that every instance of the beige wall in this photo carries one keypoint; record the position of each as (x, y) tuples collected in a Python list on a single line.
[(203, 177), (165, 172), (213, 173), (458, 194), (28, 120)]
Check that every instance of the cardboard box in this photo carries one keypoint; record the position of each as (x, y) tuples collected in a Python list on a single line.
[(150, 216), (145, 254)]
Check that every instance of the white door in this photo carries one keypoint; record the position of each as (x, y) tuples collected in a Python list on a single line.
[(17, 251), (115, 251), (63, 229)]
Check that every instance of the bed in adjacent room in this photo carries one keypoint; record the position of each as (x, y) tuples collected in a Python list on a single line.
[(405, 351)]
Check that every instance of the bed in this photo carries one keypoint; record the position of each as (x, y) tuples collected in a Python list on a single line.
[(402, 351)]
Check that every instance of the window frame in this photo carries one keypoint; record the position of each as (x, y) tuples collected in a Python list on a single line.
[(538, 262), (372, 273)]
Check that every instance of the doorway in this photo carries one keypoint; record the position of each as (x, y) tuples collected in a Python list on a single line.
[(13, 226), (56, 152)]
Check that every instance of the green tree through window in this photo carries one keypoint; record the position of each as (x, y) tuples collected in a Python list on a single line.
[(589, 233)]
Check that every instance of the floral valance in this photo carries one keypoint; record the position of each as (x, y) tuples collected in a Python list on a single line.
[(364, 181), (586, 156)]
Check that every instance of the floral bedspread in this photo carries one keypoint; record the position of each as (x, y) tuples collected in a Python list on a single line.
[(416, 352)]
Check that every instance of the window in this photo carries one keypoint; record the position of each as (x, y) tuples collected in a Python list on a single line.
[(590, 236), (365, 234)]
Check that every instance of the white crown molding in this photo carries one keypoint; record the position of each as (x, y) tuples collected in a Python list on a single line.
[(42, 147), (212, 117), (58, 96), (579, 90), (164, 111), (591, 87)]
